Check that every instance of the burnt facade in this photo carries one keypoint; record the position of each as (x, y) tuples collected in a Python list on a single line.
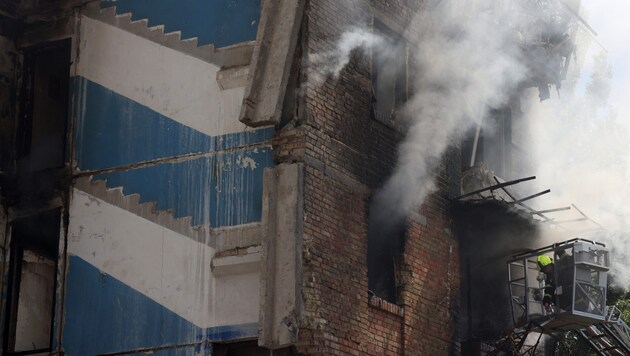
[(263, 228), (350, 140), (189, 173)]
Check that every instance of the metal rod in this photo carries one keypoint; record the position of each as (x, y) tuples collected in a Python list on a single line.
[(584, 215), (579, 18), (496, 186), (533, 196), (566, 221), (474, 149), (521, 204), (549, 248), (503, 188), (590, 30), (533, 349), (551, 210)]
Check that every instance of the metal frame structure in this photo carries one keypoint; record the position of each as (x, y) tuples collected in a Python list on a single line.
[(580, 273)]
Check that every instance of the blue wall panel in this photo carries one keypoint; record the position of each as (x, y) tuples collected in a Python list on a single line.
[(219, 22), (223, 189), (113, 130), (103, 315), (198, 350)]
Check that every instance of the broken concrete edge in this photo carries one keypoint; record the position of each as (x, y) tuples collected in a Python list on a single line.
[(238, 261), (272, 58), (280, 287), (232, 77)]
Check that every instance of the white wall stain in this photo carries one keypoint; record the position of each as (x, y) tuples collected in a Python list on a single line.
[(246, 162)]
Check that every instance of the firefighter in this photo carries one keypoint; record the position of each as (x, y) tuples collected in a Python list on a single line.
[(545, 265)]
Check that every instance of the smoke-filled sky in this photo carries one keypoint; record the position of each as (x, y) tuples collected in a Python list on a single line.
[(581, 140), (610, 19)]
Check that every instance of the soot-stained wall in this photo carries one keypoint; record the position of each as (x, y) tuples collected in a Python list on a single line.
[(490, 233), (164, 186), (347, 155)]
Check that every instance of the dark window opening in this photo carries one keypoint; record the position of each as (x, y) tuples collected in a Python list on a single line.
[(491, 144), (389, 75), (32, 283), (41, 141), (386, 242), (246, 348)]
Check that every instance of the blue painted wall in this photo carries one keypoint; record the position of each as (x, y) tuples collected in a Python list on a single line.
[(216, 190), (219, 190), (219, 22), (113, 130), (103, 315)]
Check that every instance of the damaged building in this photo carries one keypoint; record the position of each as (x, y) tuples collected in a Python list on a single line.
[(172, 183)]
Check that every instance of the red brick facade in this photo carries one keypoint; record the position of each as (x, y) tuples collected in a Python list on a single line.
[(348, 155)]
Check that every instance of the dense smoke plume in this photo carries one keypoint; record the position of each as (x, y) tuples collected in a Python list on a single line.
[(331, 63), (464, 64), (580, 143), (467, 60)]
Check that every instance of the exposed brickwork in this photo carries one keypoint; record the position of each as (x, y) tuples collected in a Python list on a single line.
[(348, 155)]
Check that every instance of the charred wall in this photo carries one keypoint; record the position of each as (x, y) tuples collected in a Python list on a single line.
[(8, 76), (490, 232), (348, 154), (34, 80)]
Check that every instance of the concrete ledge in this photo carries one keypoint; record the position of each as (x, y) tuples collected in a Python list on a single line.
[(240, 236), (276, 40), (240, 262), (232, 77)]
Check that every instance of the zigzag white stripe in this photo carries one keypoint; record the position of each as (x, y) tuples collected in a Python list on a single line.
[(167, 267), (172, 83)]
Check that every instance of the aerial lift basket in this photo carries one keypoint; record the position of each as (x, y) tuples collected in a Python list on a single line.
[(580, 276)]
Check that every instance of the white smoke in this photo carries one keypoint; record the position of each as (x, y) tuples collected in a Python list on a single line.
[(330, 63), (465, 65), (466, 62), (580, 141)]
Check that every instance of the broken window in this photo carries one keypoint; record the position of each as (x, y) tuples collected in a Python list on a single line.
[(389, 75), (32, 279), (385, 250), (490, 143), (44, 104)]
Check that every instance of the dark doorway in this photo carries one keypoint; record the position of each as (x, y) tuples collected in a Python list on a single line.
[(44, 107), (32, 283)]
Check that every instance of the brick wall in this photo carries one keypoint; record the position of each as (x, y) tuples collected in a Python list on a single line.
[(347, 156)]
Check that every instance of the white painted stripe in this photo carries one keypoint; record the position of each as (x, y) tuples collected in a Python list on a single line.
[(172, 83), (167, 267)]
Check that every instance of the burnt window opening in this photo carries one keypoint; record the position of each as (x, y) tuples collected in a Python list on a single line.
[(490, 143), (42, 125), (386, 242), (245, 348), (389, 75), (32, 283)]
